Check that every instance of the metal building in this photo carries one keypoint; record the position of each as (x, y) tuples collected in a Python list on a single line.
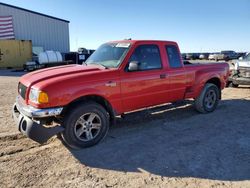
[(44, 31)]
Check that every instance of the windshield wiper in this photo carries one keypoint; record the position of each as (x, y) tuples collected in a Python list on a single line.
[(106, 67), (100, 64)]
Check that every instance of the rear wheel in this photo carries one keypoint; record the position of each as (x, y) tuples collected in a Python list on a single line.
[(208, 99), (85, 125)]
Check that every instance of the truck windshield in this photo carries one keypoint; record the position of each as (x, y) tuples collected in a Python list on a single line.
[(109, 55), (247, 57)]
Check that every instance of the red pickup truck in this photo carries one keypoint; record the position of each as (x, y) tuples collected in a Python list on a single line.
[(79, 102)]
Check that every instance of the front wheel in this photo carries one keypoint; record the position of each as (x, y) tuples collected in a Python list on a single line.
[(85, 125), (208, 99)]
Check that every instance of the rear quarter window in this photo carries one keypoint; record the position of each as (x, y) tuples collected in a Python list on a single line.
[(173, 56)]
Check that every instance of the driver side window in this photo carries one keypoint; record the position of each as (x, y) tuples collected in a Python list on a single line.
[(147, 56)]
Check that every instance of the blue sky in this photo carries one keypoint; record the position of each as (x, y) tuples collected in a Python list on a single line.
[(197, 25)]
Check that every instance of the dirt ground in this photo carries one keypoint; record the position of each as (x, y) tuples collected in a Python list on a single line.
[(168, 146)]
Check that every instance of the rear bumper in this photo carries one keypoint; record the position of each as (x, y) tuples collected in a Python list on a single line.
[(33, 129)]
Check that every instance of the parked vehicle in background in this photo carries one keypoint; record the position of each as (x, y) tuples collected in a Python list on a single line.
[(192, 56), (240, 72), (189, 56), (81, 101), (242, 54), (229, 55), (211, 56), (196, 56), (204, 56), (183, 56), (216, 56)]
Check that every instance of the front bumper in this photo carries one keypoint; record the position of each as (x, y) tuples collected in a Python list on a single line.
[(240, 80), (23, 116), (37, 113), (240, 76)]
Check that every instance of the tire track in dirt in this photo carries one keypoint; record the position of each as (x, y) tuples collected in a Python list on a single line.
[(18, 143), (8, 137)]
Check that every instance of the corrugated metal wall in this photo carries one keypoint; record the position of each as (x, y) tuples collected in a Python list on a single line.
[(51, 34)]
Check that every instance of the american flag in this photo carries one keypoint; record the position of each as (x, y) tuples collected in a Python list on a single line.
[(6, 27)]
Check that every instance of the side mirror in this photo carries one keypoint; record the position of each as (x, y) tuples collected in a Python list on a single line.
[(133, 66), (241, 58)]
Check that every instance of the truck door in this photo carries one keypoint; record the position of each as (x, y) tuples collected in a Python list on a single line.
[(144, 87), (176, 73)]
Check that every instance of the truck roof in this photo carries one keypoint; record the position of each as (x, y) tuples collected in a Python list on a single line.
[(139, 41)]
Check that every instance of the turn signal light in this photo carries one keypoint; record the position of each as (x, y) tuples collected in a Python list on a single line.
[(43, 97)]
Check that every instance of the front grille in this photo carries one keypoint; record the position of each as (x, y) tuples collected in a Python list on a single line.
[(244, 72), (22, 90)]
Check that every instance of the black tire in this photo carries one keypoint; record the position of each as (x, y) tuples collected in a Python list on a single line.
[(231, 84), (203, 104), (70, 123)]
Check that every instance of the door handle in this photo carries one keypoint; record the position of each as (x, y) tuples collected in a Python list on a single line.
[(162, 76), (110, 84)]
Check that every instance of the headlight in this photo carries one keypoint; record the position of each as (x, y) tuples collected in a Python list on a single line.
[(37, 96)]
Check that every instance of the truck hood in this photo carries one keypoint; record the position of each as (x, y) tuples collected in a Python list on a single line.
[(243, 63), (60, 71)]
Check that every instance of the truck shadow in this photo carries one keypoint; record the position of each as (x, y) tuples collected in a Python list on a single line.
[(178, 142)]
